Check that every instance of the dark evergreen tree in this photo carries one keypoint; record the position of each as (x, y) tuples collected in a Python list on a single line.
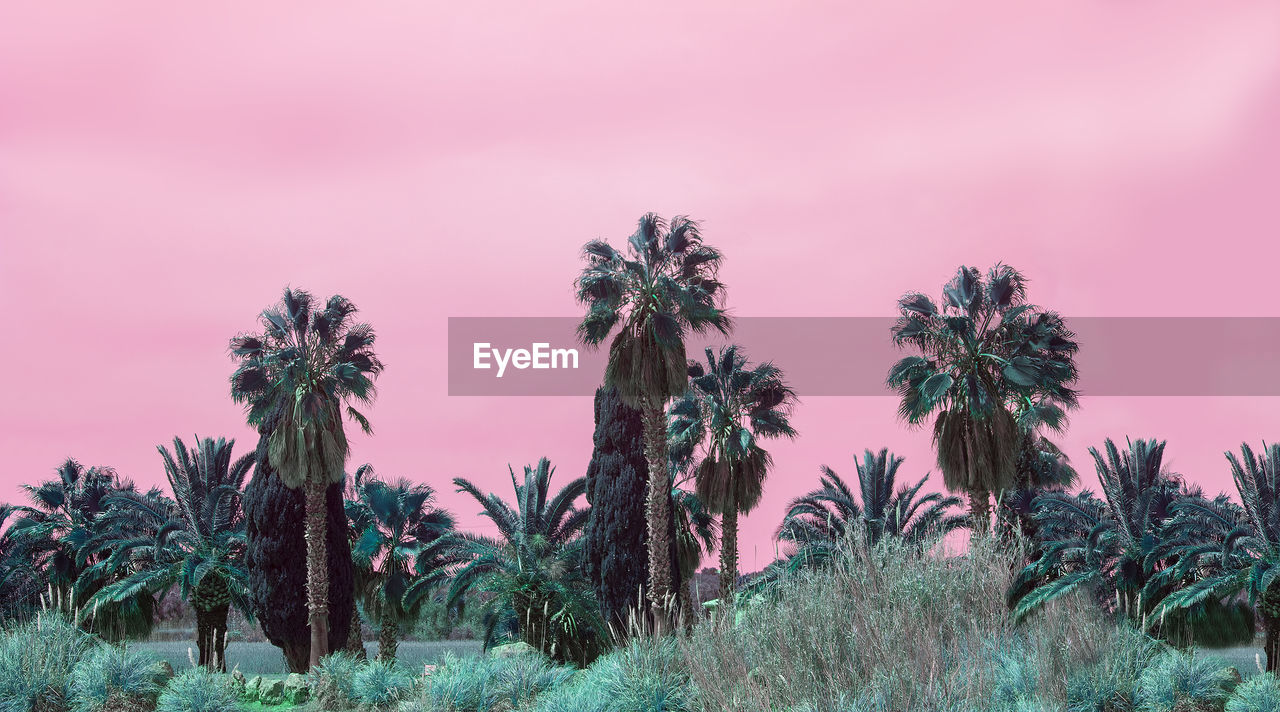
[(616, 561), (277, 565)]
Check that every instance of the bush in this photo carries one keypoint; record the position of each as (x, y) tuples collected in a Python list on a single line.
[(1260, 693), (1111, 684), (112, 677), (864, 627), (646, 676), (1178, 680), (381, 684), (332, 682), (37, 657), (198, 690), (457, 686), (519, 679)]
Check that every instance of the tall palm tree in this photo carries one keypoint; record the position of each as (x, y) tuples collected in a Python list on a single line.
[(401, 530), (52, 532), (991, 370), (1109, 544), (194, 541), (531, 573), (1220, 548), (652, 295), (306, 366), (20, 584), (728, 408), (696, 534), (817, 523)]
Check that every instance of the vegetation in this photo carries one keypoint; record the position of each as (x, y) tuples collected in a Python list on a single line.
[(719, 423), (402, 551), (305, 366), (660, 289), (150, 543), (115, 678), (198, 690), (614, 537), (532, 572), (992, 371), (819, 523)]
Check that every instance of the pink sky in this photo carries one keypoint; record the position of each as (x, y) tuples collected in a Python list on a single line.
[(165, 171)]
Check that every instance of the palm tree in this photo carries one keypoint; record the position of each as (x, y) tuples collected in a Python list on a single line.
[(1110, 544), (63, 517), (818, 523), (195, 541), (305, 366), (531, 573), (20, 584), (1219, 548), (728, 408), (401, 530), (696, 534), (991, 370), (661, 289)]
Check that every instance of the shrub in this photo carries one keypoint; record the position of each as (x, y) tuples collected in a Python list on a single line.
[(198, 690), (381, 684), (582, 693), (457, 686), (1111, 684), (1176, 680), (332, 682), (519, 679), (646, 676), (113, 677), (864, 627), (37, 657), (1260, 693)]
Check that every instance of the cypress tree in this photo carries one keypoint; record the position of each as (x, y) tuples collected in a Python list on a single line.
[(277, 563), (616, 558)]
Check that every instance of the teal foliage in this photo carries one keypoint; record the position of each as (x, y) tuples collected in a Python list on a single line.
[(1260, 693), (198, 690), (333, 681), (117, 674), (37, 658), (380, 684), (1177, 679)]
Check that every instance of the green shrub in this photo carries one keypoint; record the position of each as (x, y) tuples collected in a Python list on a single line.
[(333, 681), (381, 684), (457, 686), (646, 676), (198, 690), (115, 677), (1175, 680), (582, 693), (519, 679), (1260, 693), (37, 657), (1111, 683), (864, 626)]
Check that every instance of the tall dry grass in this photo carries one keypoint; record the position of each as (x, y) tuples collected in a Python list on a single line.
[(892, 628)]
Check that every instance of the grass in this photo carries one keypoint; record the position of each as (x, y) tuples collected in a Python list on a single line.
[(266, 659)]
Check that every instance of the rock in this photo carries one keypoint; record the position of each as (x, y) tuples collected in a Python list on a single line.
[(271, 692), (295, 689), (238, 683), (512, 650), (252, 687), (164, 672)]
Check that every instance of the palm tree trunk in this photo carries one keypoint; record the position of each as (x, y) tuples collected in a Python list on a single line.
[(204, 637), (980, 512), (728, 557), (317, 568), (219, 661), (1271, 648), (387, 642), (355, 643), (658, 514)]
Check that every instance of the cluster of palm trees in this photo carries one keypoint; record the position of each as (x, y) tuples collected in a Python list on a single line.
[(992, 373)]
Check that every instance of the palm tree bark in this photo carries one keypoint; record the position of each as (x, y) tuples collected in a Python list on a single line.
[(728, 557), (317, 568), (658, 514), (1269, 607), (387, 643), (980, 512), (355, 643)]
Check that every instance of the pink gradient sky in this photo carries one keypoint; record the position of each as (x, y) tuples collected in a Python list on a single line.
[(165, 170)]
